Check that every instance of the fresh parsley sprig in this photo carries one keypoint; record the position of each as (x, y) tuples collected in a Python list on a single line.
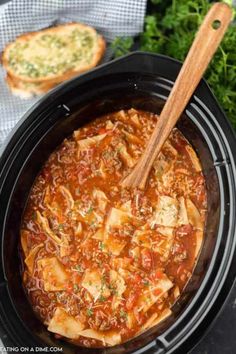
[(170, 30)]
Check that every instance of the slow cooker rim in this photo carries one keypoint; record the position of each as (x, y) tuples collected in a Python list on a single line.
[(27, 116)]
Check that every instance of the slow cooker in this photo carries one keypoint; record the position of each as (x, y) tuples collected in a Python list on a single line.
[(142, 81)]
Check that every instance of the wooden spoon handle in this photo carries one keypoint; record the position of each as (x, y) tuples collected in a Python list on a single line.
[(203, 48)]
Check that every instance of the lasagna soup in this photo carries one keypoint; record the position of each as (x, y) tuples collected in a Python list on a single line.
[(102, 263)]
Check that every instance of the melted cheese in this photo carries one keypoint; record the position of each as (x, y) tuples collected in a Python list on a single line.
[(166, 213), (161, 166)]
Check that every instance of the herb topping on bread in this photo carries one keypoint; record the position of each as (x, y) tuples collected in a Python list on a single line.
[(53, 54)]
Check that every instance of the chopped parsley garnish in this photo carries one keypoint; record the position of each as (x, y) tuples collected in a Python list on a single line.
[(101, 246), (101, 298), (89, 211), (123, 314), (93, 223), (61, 227), (76, 288), (89, 312), (146, 282), (120, 149), (113, 291), (78, 268)]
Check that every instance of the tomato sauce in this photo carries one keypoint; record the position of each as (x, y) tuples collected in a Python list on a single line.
[(103, 263)]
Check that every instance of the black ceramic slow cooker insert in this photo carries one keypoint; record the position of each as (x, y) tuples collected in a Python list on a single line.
[(142, 81)]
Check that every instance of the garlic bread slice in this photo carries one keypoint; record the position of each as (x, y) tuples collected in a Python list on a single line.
[(53, 54)]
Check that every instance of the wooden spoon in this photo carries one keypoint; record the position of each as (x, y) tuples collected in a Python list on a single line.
[(200, 54)]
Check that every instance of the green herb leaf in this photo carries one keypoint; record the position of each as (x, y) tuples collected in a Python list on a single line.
[(101, 298), (60, 227), (170, 30), (123, 314), (90, 209), (76, 288), (101, 246), (89, 312), (146, 282), (78, 268), (122, 45)]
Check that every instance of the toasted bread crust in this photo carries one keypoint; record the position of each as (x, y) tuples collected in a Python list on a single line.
[(55, 78), (21, 89)]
